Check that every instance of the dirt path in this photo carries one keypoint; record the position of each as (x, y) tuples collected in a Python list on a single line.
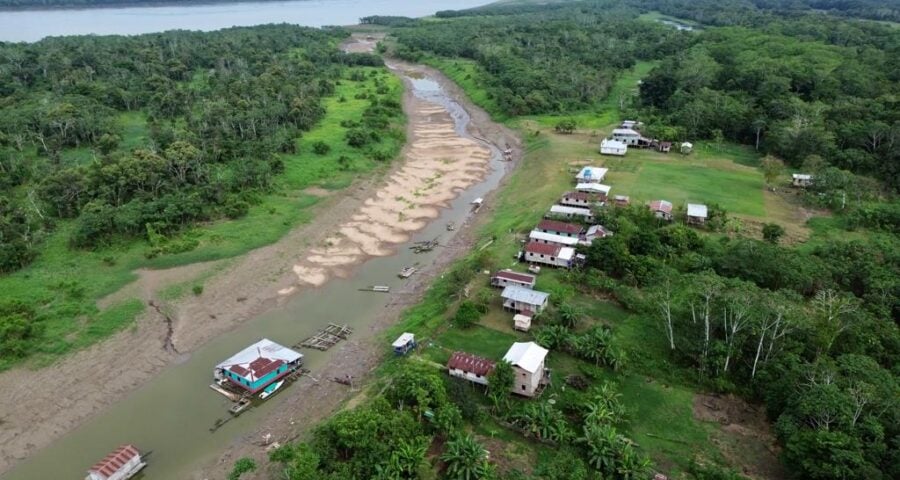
[(242, 288), (312, 401)]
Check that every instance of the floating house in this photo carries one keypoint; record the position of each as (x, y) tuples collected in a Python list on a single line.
[(613, 147), (802, 180), (521, 322), (581, 199), (567, 212), (552, 255), (696, 214), (598, 189), (524, 300), (505, 278), (537, 236), (121, 464), (621, 200), (527, 360), (591, 175), (404, 343), (257, 366), (593, 232), (560, 228), (469, 367), (662, 209)]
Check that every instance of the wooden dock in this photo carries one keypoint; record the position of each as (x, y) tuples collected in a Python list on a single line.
[(327, 337)]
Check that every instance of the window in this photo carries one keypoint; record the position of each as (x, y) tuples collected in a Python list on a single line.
[(552, 259), (523, 387)]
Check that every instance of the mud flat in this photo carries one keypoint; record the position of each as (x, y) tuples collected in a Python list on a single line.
[(132, 389)]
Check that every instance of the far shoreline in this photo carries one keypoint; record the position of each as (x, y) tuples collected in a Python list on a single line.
[(141, 4)]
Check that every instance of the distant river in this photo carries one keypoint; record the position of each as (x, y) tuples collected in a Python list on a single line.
[(33, 25)]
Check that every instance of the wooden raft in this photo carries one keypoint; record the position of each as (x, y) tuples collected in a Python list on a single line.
[(327, 337)]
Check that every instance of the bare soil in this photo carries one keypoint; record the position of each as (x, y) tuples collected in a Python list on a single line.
[(744, 436), (249, 285)]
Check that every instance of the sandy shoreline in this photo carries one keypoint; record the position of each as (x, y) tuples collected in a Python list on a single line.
[(368, 216)]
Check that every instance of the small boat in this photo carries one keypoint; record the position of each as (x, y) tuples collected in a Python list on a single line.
[(478, 201), (407, 272), (376, 288), (268, 391), (239, 407), (451, 226)]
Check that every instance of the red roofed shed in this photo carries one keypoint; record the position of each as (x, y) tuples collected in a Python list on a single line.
[(560, 228), (470, 367)]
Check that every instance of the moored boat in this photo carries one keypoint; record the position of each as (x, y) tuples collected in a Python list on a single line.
[(268, 391), (122, 464)]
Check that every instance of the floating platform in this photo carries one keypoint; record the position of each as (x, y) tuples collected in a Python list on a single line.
[(376, 288), (327, 337), (407, 272)]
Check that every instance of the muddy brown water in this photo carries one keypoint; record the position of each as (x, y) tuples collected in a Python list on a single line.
[(171, 415)]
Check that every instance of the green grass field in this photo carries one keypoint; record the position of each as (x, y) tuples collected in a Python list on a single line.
[(65, 284)]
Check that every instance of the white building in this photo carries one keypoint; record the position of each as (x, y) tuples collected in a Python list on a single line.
[(121, 464), (571, 212), (560, 228), (552, 255), (524, 300), (593, 232), (628, 136), (686, 147), (527, 360), (801, 179), (596, 188), (591, 174), (505, 278), (552, 239), (521, 322), (469, 367), (581, 199), (696, 213), (613, 147)]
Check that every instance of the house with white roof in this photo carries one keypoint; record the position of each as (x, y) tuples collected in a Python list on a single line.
[(552, 239), (593, 232), (581, 199), (613, 147), (524, 300), (801, 180), (599, 189), (565, 211), (696, 214), (591, 174), (527, 360)]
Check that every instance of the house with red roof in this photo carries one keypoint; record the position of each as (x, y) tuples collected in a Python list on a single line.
[(257, 366), (122, 464), (662, 209), (505, 278), (469, 367), (549, 254), (557, 227)]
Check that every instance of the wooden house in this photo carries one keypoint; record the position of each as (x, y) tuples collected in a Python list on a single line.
[(599, 189), (593, 232), (630, 137), (560, 228), (553, 255), (621, 200), (581, 199), (505, 278), (524, 300), (257, 366), (122, 464), (801, 180), (521, 322), (537, 236), (613, 147), (662, 209), (527, 360), (469, 367), (696, 214), (664, 147), (563, 211)]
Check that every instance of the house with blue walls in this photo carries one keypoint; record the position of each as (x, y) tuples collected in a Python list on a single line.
[(257, 366)]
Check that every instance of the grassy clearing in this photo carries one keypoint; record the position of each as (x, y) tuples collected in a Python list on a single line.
[(64, 285)]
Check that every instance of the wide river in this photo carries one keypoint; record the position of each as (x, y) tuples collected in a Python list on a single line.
[(33, 25)]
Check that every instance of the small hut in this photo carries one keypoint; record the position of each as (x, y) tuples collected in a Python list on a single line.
[(664, 147), (521, 322), (621, 200), (662, 209), (686, 148), (404, 343), (801, 180), (696, 214)]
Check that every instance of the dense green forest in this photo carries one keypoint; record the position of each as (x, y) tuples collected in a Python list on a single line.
[(796, 86), (219, 108), (27, 4)]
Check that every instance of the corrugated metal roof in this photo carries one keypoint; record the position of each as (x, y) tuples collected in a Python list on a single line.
[(661, 206), (115, 460), (562, 209), (526, 355), (557, 226), (260, 356), (592, 187), (524, 295), (515, 276), (403, 339), (549, 237), (470, 363), (696, 210), (542, 248), (594, 174)]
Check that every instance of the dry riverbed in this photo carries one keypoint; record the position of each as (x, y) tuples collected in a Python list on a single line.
[(372, 216)]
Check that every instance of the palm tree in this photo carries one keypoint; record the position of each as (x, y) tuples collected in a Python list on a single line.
[(603, 443), (632, 465), (408, 457), (569, 315), (466, 459)]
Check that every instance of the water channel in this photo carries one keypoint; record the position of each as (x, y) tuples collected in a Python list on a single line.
[(172, 414), (33, 25)]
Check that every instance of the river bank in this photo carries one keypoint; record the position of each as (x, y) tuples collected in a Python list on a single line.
[(242, 289)]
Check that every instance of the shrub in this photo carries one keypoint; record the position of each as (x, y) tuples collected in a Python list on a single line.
[(565, 126), (466, 315), (320, 148), (772, 232), (197, 289)]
